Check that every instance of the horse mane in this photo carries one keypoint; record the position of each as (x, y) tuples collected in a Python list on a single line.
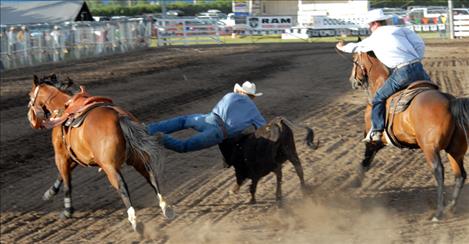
[(67, 85)]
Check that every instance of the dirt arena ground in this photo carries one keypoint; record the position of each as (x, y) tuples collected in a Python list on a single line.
[(307, 83)]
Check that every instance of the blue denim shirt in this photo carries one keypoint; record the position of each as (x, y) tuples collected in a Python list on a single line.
[(238, 111)]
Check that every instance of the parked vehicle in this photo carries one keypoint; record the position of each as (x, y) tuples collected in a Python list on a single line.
[(460, 11), (175, 13), (428, 12)]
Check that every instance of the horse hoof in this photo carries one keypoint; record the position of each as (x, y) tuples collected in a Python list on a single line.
[(66, 215), (435, 219), (279, 203), (356, 183), (139, 228), (47, 195), (169, 213)]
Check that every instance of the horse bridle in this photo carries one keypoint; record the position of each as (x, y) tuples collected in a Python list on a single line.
[(364, 81), (38, 110)]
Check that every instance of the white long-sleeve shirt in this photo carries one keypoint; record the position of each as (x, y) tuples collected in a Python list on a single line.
[(392, 45)]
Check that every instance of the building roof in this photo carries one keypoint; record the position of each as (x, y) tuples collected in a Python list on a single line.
[(32, 12)]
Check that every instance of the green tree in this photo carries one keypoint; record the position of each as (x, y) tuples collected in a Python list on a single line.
[(405, 3)]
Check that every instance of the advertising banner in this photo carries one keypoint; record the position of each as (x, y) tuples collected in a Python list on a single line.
[(269, 22)]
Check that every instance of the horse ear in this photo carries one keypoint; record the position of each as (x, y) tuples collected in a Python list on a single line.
[(69, 81), (359, 39), (35, 80), (53, 77)]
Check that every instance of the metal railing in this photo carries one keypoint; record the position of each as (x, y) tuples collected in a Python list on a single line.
[(30, 45)]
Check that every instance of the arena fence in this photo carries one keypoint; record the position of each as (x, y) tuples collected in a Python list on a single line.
[(177, 31), (30, 45), (461, 26)]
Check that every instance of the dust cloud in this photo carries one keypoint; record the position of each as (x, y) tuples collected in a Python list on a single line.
[(301, 222)]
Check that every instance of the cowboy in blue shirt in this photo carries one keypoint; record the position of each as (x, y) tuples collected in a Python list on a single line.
[(235, 112)]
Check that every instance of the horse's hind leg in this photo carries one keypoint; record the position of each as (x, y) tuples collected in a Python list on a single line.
[(434, 159), (457, 164), (147, 172), (52, 191), (117, 181)]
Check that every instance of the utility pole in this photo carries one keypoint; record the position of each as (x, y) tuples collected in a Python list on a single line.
[(450, 19), (163, 8)]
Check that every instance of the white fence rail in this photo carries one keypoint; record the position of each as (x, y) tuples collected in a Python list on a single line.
[(461, 25)]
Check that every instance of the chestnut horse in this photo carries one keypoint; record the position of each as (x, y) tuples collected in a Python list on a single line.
[(107, 137), (434, 121)]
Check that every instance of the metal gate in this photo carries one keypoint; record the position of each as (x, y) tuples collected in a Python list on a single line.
[(178, 31)]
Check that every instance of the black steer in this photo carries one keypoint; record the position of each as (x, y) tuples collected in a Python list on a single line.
[(257, 154)]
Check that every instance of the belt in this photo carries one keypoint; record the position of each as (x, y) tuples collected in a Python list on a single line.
[(407, 63), (221, 123)]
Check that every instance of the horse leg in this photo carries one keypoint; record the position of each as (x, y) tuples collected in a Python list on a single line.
[(457, 165), (52, 191), (63, 165), (252, 190), (146, 171), (117, 181), (434, 159), (278, 193), (370, 152)]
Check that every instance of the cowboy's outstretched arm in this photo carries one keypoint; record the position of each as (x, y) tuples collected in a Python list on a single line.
[(362, 46)]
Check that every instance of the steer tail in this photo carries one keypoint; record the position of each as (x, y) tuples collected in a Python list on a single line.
[(309, 139), (460, 111), (140, 145)]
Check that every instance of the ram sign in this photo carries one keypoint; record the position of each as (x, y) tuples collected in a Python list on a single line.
[(269, 23)]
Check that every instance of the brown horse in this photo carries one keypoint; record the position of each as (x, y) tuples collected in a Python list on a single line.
[(434, 121), (107, 137)]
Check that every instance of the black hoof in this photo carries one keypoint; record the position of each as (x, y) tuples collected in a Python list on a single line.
[(140, 229), (356, 183)]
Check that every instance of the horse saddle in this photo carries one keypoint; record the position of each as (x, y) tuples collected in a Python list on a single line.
[(76, 109), (400, 101)]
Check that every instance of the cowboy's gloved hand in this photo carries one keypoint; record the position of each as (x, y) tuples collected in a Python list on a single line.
[(339, 45)]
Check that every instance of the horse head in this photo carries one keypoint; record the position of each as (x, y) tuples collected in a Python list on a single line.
[(359, 75), (47, 96), (368, 71)]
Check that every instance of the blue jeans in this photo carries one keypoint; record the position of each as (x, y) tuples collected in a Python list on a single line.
[(399, 79), (210, 133)]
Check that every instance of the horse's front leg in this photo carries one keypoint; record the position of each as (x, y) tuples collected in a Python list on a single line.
[(54, 189), (370, 152)]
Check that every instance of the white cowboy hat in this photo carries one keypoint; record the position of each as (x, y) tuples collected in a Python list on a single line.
[(248, 88), (376, 15)]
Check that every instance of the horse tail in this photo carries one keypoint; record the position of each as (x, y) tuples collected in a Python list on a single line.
[(309, 139), (140, 145), (460, 111)]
